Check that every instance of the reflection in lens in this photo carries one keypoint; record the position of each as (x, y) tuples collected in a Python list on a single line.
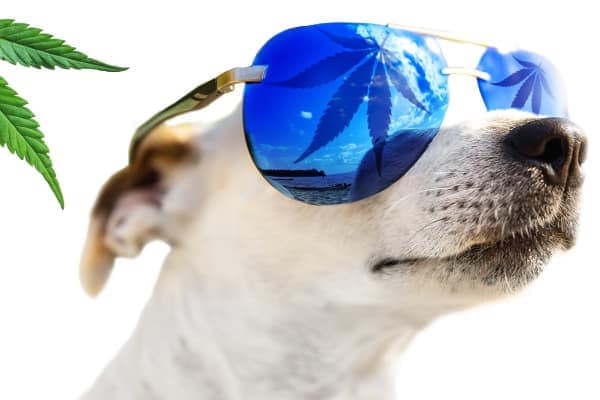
[(524, 81), (402, 149), (344, 109)]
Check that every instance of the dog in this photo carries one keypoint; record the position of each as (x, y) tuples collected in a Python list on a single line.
[(264, 297)]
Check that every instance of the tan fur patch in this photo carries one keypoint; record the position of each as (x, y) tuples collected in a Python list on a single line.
[(157, 157)]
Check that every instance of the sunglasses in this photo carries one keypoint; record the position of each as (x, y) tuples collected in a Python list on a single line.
[(337, 112)]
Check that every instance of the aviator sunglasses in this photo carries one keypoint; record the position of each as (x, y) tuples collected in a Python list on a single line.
[(337, 112)]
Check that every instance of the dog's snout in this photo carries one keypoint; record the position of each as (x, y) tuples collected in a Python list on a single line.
[(556, 145)]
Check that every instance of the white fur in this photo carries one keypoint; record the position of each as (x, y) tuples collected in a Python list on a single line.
[(263, 297)]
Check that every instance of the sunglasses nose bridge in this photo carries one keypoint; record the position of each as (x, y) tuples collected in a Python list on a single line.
[(476, 73)]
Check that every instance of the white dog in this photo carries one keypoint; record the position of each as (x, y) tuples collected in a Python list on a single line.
[(263, 297)]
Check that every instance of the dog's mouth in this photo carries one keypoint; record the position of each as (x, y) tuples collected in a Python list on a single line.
[(514, 260), (558, 232), (510, 261)]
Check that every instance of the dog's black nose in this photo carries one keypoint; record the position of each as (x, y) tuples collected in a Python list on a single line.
[(554, 144)]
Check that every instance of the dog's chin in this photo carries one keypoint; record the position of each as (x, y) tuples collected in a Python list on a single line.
[(511, 262), (502, 264)]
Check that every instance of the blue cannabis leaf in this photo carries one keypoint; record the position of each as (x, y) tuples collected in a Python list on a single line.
[(355, 42), (524, 63), (534, 82), (371, 71), (524, 92), (515, 78), (401, 83), (536, 96), (545, 84), (325, 70), (422, 81), (379, 111), (341, 107)]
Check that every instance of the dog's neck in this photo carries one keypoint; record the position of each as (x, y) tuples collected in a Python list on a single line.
[(207, 335)]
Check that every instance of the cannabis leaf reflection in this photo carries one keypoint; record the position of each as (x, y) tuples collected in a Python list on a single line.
[(533, 80), (370, 72)]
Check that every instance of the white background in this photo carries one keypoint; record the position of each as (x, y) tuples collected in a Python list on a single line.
[(54, 340)]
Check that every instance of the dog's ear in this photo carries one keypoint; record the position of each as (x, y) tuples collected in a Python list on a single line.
[(129, 211)]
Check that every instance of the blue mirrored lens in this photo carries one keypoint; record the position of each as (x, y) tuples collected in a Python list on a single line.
[(522, 80), (344, 109)]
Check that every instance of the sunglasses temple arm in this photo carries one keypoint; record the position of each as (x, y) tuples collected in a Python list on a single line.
[(444, 35), (197, 99)]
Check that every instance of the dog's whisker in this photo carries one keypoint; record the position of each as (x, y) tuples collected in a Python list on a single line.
[(407, 196), (426, 226), (508, 285)]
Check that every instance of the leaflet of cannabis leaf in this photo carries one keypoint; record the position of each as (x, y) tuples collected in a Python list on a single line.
[(19, 131), (371, 71), (533, 79)]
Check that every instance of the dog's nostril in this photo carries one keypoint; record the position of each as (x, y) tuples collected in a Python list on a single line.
[(555, 145), (554, 151)]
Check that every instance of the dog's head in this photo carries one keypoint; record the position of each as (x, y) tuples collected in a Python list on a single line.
[(477, 216)]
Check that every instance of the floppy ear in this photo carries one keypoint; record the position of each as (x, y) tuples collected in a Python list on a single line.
[(129, 211)]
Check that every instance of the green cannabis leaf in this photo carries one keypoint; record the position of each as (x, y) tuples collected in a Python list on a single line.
[(18, 131), (30, 47), (22, 44)]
